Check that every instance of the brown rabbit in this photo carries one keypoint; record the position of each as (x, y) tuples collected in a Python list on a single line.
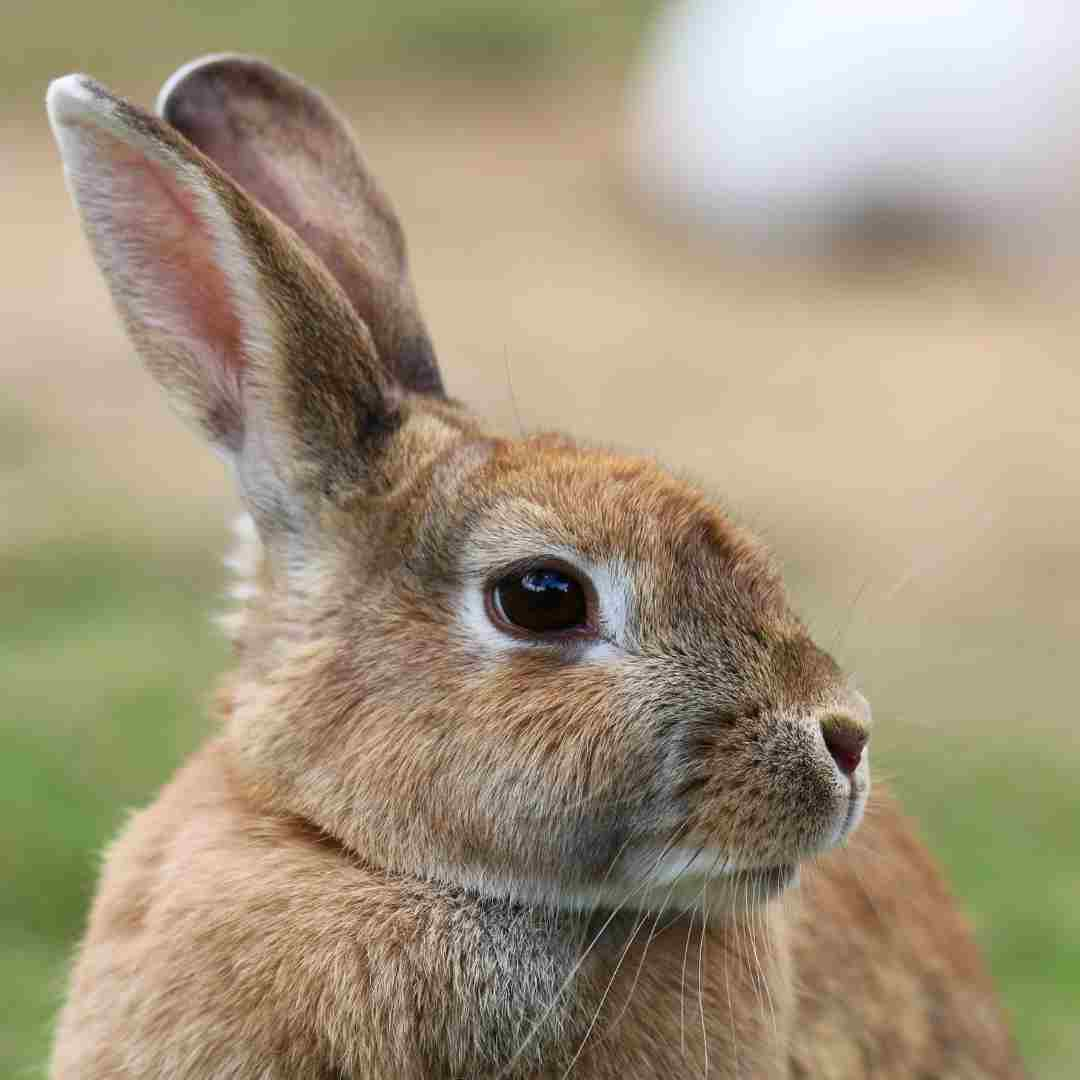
[(524, 748)]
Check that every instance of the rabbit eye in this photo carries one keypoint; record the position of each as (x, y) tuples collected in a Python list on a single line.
[(541, 600)]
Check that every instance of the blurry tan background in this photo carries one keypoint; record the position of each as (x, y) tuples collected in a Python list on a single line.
[(906, 435)]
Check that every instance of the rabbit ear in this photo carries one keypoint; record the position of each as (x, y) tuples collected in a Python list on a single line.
[(249, 335), (284, 144)]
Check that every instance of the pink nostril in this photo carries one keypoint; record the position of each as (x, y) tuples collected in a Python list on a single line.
[(845, 740)]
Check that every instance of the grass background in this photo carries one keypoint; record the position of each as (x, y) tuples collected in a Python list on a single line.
[(908, 440)]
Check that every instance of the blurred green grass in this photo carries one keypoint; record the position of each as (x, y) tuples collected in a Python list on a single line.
[(122, 40), (108, 660), (1001, 823)]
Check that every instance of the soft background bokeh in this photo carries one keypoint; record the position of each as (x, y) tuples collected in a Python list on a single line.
[(906, 436)]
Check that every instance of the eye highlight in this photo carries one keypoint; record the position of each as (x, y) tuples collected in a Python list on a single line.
[(540, 600)]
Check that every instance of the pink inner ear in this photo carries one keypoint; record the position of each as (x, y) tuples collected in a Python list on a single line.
[(167, 274)]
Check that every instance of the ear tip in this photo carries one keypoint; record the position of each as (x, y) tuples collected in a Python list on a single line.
[(199, 66), (72, 97)]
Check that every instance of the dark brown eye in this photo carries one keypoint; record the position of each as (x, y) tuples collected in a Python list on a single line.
[(543, 600)]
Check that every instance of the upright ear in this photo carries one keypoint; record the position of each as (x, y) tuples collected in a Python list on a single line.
[(284, 144), (251, 337)]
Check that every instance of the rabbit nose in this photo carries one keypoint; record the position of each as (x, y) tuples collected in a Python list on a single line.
[(845, 737)]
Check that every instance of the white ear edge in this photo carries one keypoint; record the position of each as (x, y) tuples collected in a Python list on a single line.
[(78, 104), (182, 72), (71, 96), (75, 99)]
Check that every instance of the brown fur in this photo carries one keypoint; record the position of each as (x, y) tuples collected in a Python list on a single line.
[(423, 846)]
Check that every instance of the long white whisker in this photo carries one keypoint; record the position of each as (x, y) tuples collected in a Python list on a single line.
[(731, 1011), (653, 932), (702, 897), (752, 956), (624, 953), (603, 997), (686, 953), (765, 940), (701, 972), (641, 887), (682, 985), (761, 980)]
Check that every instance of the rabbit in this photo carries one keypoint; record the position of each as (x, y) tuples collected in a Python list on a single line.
[(794, 123), (526, 767)]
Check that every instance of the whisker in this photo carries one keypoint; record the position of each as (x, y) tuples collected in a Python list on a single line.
[(513, 396), (639, 888), (763, 928), (731, 1012), (671, 889), (754, 961), (653, 932), (701, 973), (682, 985), (842, 633), (703, 896), (603, 997)]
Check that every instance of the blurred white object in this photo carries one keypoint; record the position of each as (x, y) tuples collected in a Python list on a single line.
[(789, 118)]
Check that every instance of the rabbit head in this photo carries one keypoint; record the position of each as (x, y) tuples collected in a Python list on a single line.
[(528, 667)]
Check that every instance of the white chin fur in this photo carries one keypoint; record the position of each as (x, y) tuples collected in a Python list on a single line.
[(675, 879)]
